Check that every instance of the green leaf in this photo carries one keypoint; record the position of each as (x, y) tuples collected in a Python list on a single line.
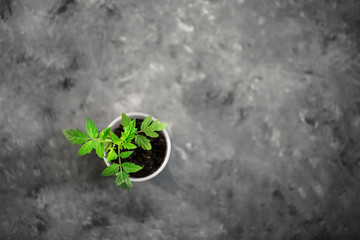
[(125, 134), (151, 133), (99, 148), (126, 154), (86, 148), (104, 133), (154, 124), (146, 122), (128, 134), (76, 136), (122, 180), (132, 124), (132, 128), (125, 120), (111, 170), (149, 129), (114, 138), (129, 145), (143, 142), (131, 167), (91, 129), (161, 126), (112, 155)]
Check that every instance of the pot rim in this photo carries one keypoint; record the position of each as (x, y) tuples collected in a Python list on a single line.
[(118, 120)]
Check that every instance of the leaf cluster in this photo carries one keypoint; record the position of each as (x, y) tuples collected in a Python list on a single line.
[(108, 142)]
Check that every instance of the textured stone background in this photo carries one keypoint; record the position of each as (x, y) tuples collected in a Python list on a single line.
[(261, 97)]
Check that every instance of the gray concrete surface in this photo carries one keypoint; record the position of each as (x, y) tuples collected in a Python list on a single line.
[(261, 97)]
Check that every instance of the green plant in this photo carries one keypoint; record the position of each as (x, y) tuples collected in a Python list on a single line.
[(116, 147)]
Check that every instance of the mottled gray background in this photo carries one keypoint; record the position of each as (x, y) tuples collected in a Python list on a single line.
[(261, 97)]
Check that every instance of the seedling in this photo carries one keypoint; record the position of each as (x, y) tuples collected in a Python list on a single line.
[(115, 147)]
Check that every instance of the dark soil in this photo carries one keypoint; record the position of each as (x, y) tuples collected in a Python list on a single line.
[(150, 160)]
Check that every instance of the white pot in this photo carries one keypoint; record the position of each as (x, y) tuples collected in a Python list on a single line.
[(114, 124)]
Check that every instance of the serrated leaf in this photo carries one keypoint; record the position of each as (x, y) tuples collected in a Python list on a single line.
[(130, 137), (131, 127), (104, 133), (122, 180), (125, 120), (151, 133), (149, 129), (145, 123), (131, 167), (91, 129), (114, 138), (127, 145), (76, 136), (126, 154), (99, 148), (112, 155), (154, 124), (143, 142), (111, 170), (132, 124), (161, 126), (128, 134), (121, 177), (125, 134), (86, 148)]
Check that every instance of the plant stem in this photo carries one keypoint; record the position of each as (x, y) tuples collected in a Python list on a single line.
[(119, 158)]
